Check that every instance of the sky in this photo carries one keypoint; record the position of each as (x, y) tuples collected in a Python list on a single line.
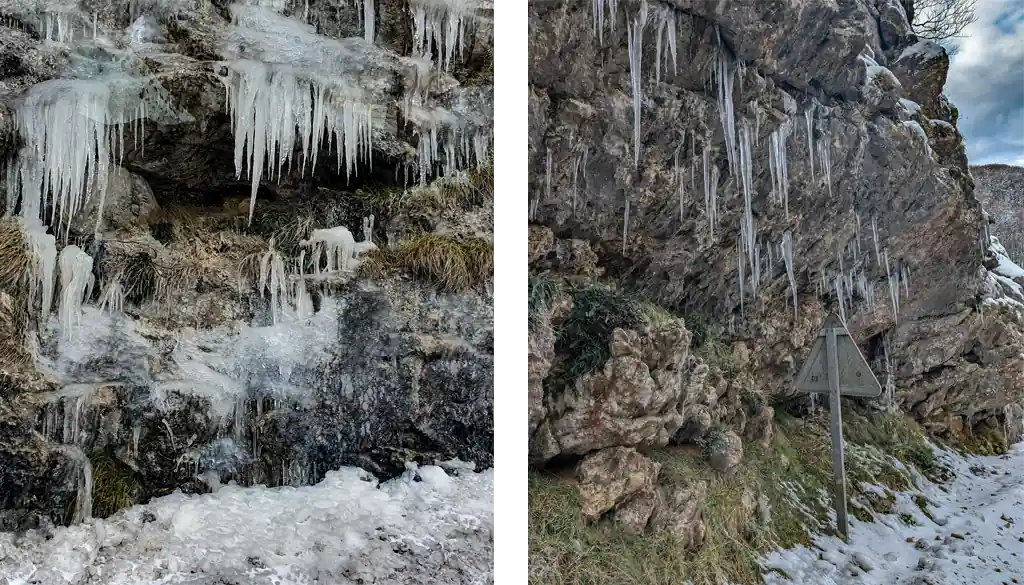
[(986, 83)]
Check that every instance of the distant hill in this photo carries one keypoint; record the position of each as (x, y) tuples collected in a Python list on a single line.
[(1000, 188)]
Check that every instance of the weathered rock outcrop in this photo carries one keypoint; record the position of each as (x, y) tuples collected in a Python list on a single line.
[(762, 127), (641, 396)]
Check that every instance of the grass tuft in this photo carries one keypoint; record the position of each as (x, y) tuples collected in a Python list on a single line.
[(542, 291), (449, 264), (14, 258), (584, 335), (115, 486)]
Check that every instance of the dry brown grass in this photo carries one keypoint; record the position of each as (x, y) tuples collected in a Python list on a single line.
[(14, 258), (448, 263)]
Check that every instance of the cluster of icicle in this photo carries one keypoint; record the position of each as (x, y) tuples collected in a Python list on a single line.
[(334, 251), (850, 284), (76, 278), (755, 257), (306, 91), (73, 130)]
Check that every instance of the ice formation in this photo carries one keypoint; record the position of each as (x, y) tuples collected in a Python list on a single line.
[(710, 190), (665, 42), (441, 26), (42, 249), (809, 119), (599, 7), (787, 255), (725, 74), (76, 282), (291, 87), (635, 41), (778, 165)]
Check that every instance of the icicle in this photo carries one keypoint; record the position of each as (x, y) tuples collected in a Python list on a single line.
[(890, 377), (809, 118), (76, 282), (742, 275), (548, 170), (748, 229), (874, 237), (778, 165), (369, 20), (665, 42), (635, 44), (83, 496), (441, 26), (575, 181), (787, 256), (678, 177), (270, 105), (825, 161), (112, 299), (725, 74), (273, 280), (43, 262), (598, 9), (894, 287), (710, 191), (838, 284)]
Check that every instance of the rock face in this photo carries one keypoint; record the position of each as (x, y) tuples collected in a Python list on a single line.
[(213, 345), (810, 135)]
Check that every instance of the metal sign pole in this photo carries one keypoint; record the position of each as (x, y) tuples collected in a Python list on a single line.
[(838, 465)]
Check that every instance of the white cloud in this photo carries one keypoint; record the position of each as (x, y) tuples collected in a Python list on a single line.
[(986, 82)]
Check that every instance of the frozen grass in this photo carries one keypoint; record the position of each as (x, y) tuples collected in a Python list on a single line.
[(542, 291), (584, 335)]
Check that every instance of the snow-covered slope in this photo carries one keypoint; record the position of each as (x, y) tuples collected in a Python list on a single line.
[(424, 527), (969, 532)]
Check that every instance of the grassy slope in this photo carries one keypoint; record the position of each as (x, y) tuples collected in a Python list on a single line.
[(794, 474)]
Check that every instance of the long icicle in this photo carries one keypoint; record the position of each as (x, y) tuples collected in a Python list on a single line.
[(635, 41)]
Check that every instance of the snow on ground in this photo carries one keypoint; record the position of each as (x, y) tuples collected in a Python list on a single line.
[(424, 527), (973, 534)]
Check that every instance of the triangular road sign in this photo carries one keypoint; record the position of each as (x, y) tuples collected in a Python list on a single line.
[(855, 376)]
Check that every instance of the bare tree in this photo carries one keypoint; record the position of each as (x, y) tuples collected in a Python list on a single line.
[(941, 20)]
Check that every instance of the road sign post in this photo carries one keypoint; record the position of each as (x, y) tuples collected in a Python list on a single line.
[(835, 365)]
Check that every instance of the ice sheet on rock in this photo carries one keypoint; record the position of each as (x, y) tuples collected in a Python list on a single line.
[(222, 365), (912, 107), (348, 524)]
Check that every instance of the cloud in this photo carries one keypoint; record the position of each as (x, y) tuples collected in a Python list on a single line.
[(986, 83)]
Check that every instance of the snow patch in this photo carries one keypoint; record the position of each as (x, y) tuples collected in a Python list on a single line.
[(347, 523), (923, 49)]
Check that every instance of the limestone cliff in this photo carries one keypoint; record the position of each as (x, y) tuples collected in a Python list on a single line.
[(752, 166)]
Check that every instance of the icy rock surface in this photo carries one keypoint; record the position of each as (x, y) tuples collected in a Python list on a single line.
[(424, 527)]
